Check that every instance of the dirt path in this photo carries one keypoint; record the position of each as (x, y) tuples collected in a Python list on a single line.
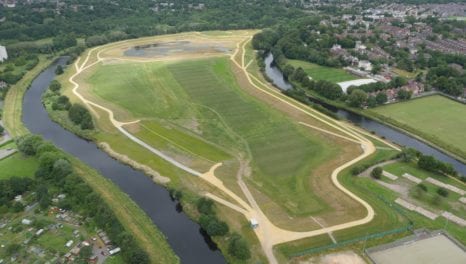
[(268, 234)]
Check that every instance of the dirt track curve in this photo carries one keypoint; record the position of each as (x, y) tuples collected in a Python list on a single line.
[(268, 234)]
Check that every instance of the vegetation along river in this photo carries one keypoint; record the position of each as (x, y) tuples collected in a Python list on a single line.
[(276, 76), (183, 235)]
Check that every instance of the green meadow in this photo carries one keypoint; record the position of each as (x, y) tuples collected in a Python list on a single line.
[(317, 72), (198, 108), (435, 118), (17, 165)]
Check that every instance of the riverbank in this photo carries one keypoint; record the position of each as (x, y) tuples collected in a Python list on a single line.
[(135, 221), (449, 150), (372, 122)]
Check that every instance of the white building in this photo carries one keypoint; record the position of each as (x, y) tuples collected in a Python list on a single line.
[(365, 65), (3, 54)]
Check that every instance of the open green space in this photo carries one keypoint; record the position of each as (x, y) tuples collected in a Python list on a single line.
[(17, 165), (434, 118), (205, 93), (399, 168), (317, 72)]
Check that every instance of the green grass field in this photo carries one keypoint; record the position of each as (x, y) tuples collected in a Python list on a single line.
[(435, 117), (205, 93), (17, 165), (318, 72)]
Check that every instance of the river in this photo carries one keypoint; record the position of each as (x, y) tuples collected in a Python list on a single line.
[(183, 235), (276, 76)]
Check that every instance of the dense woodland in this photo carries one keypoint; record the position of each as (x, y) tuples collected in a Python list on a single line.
[(128, 18)]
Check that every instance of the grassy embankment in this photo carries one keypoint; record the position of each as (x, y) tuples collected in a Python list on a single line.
[(130, 215), (318, 72), (386, 217), (282, 153), (435, 118)]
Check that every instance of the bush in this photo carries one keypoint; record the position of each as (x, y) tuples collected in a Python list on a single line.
[(55, 86), (80, 116), (442, 192), (59, 70), (422, 187), (238, 248), (1, 130), (29, 144), (376, 173), (205, 206), (213, 226)]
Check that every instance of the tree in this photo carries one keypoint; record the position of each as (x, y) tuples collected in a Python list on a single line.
[(381, 98), (213, 226), (357, 98), (55, 86), (403, 94), (428, 163), (59, 70), (376, 173), (288, 71), (1, 130), (205, 206), (408, 154), (371, 101), (238, 248), (28, 144), (85, 253), (80, 116)]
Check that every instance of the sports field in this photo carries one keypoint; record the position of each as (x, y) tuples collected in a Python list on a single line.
[(435, 117), (317, 72), (432, 250)]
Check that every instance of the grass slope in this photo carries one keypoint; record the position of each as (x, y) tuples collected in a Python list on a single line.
[(318, 72), (283, 154), (17, 165), (435, 116)]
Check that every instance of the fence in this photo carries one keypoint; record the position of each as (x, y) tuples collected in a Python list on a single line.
[(405, 228)]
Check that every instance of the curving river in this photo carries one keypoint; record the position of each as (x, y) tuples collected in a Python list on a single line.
[(276, 76), (184, 236)]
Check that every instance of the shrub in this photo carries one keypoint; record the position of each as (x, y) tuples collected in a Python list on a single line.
[(205, 206), (55, 86), (422, 187), (29, 144), (376, 173), (213, 226), (238, 248), (442, 192), (59, 70)]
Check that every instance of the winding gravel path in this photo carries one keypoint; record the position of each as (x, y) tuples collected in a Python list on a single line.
[(268, 234)]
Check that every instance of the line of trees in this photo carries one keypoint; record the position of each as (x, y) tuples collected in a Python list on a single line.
[(77, 113), (55, 175), (237, 246)]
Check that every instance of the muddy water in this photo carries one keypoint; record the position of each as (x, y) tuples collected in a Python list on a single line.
[(164, 49)]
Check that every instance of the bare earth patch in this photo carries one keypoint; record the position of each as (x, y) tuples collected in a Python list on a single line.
[(346, 257)]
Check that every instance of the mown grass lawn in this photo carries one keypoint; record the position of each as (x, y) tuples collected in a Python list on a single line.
[(434, 116), (18, 165), (317, 72)]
